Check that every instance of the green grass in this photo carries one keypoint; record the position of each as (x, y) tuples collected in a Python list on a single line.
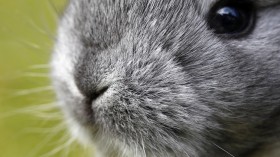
[(27, 30)]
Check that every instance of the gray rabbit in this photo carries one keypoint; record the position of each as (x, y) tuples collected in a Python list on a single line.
[(171, 78)]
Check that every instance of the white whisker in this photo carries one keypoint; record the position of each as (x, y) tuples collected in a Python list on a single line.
[(223, 150), (40, 66), (42, 144), (60, 148), (54, 9), (36, 27), (66, 151), (42, 110), (32, 91), (42, 107), (48, 116), (30, 74), (48, 29), (54, 130), (30, 44)]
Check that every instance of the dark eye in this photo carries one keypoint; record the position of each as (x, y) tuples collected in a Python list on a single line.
[(232, 18)]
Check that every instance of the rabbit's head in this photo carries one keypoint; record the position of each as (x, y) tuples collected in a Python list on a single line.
[(170, 78)]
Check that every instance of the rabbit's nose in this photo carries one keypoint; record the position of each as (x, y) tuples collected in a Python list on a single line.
[(89, 79), (94, 94), (90, 89)]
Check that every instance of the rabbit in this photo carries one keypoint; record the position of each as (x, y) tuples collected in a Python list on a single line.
[(177, 78)]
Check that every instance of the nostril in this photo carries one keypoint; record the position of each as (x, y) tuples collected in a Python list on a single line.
[(95, 94), (90, 98), (86, 111), (89, 84)]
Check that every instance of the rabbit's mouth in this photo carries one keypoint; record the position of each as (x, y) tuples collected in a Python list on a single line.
[(125, 113)]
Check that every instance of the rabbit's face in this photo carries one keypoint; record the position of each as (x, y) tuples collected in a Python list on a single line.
[(170, 78)]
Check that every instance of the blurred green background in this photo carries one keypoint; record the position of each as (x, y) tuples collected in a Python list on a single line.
[(27, 32)]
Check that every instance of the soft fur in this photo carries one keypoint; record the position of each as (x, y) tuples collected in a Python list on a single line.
[(175, 88)]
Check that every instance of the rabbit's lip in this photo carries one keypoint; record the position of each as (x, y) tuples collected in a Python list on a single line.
[(84, 108), (83, 113)]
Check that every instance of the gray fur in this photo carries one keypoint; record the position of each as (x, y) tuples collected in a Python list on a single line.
[(175, 89)]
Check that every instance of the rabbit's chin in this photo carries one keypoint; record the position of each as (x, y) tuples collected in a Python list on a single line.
[(103, 146), (109, 146)]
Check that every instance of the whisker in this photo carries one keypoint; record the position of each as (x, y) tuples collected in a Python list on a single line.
[(22, 74), (30, 74), (30, 44), (36, 27), (223, 150), (48, 111), (39, 147), (40, 29), (63, 139), (48, 27), (59, 128), (60, 148), (86, 149), (54, 9), (56, 129), (32, 91), (48, 116), (36, 110), (66, 152), (42, 107), (40, 66)]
